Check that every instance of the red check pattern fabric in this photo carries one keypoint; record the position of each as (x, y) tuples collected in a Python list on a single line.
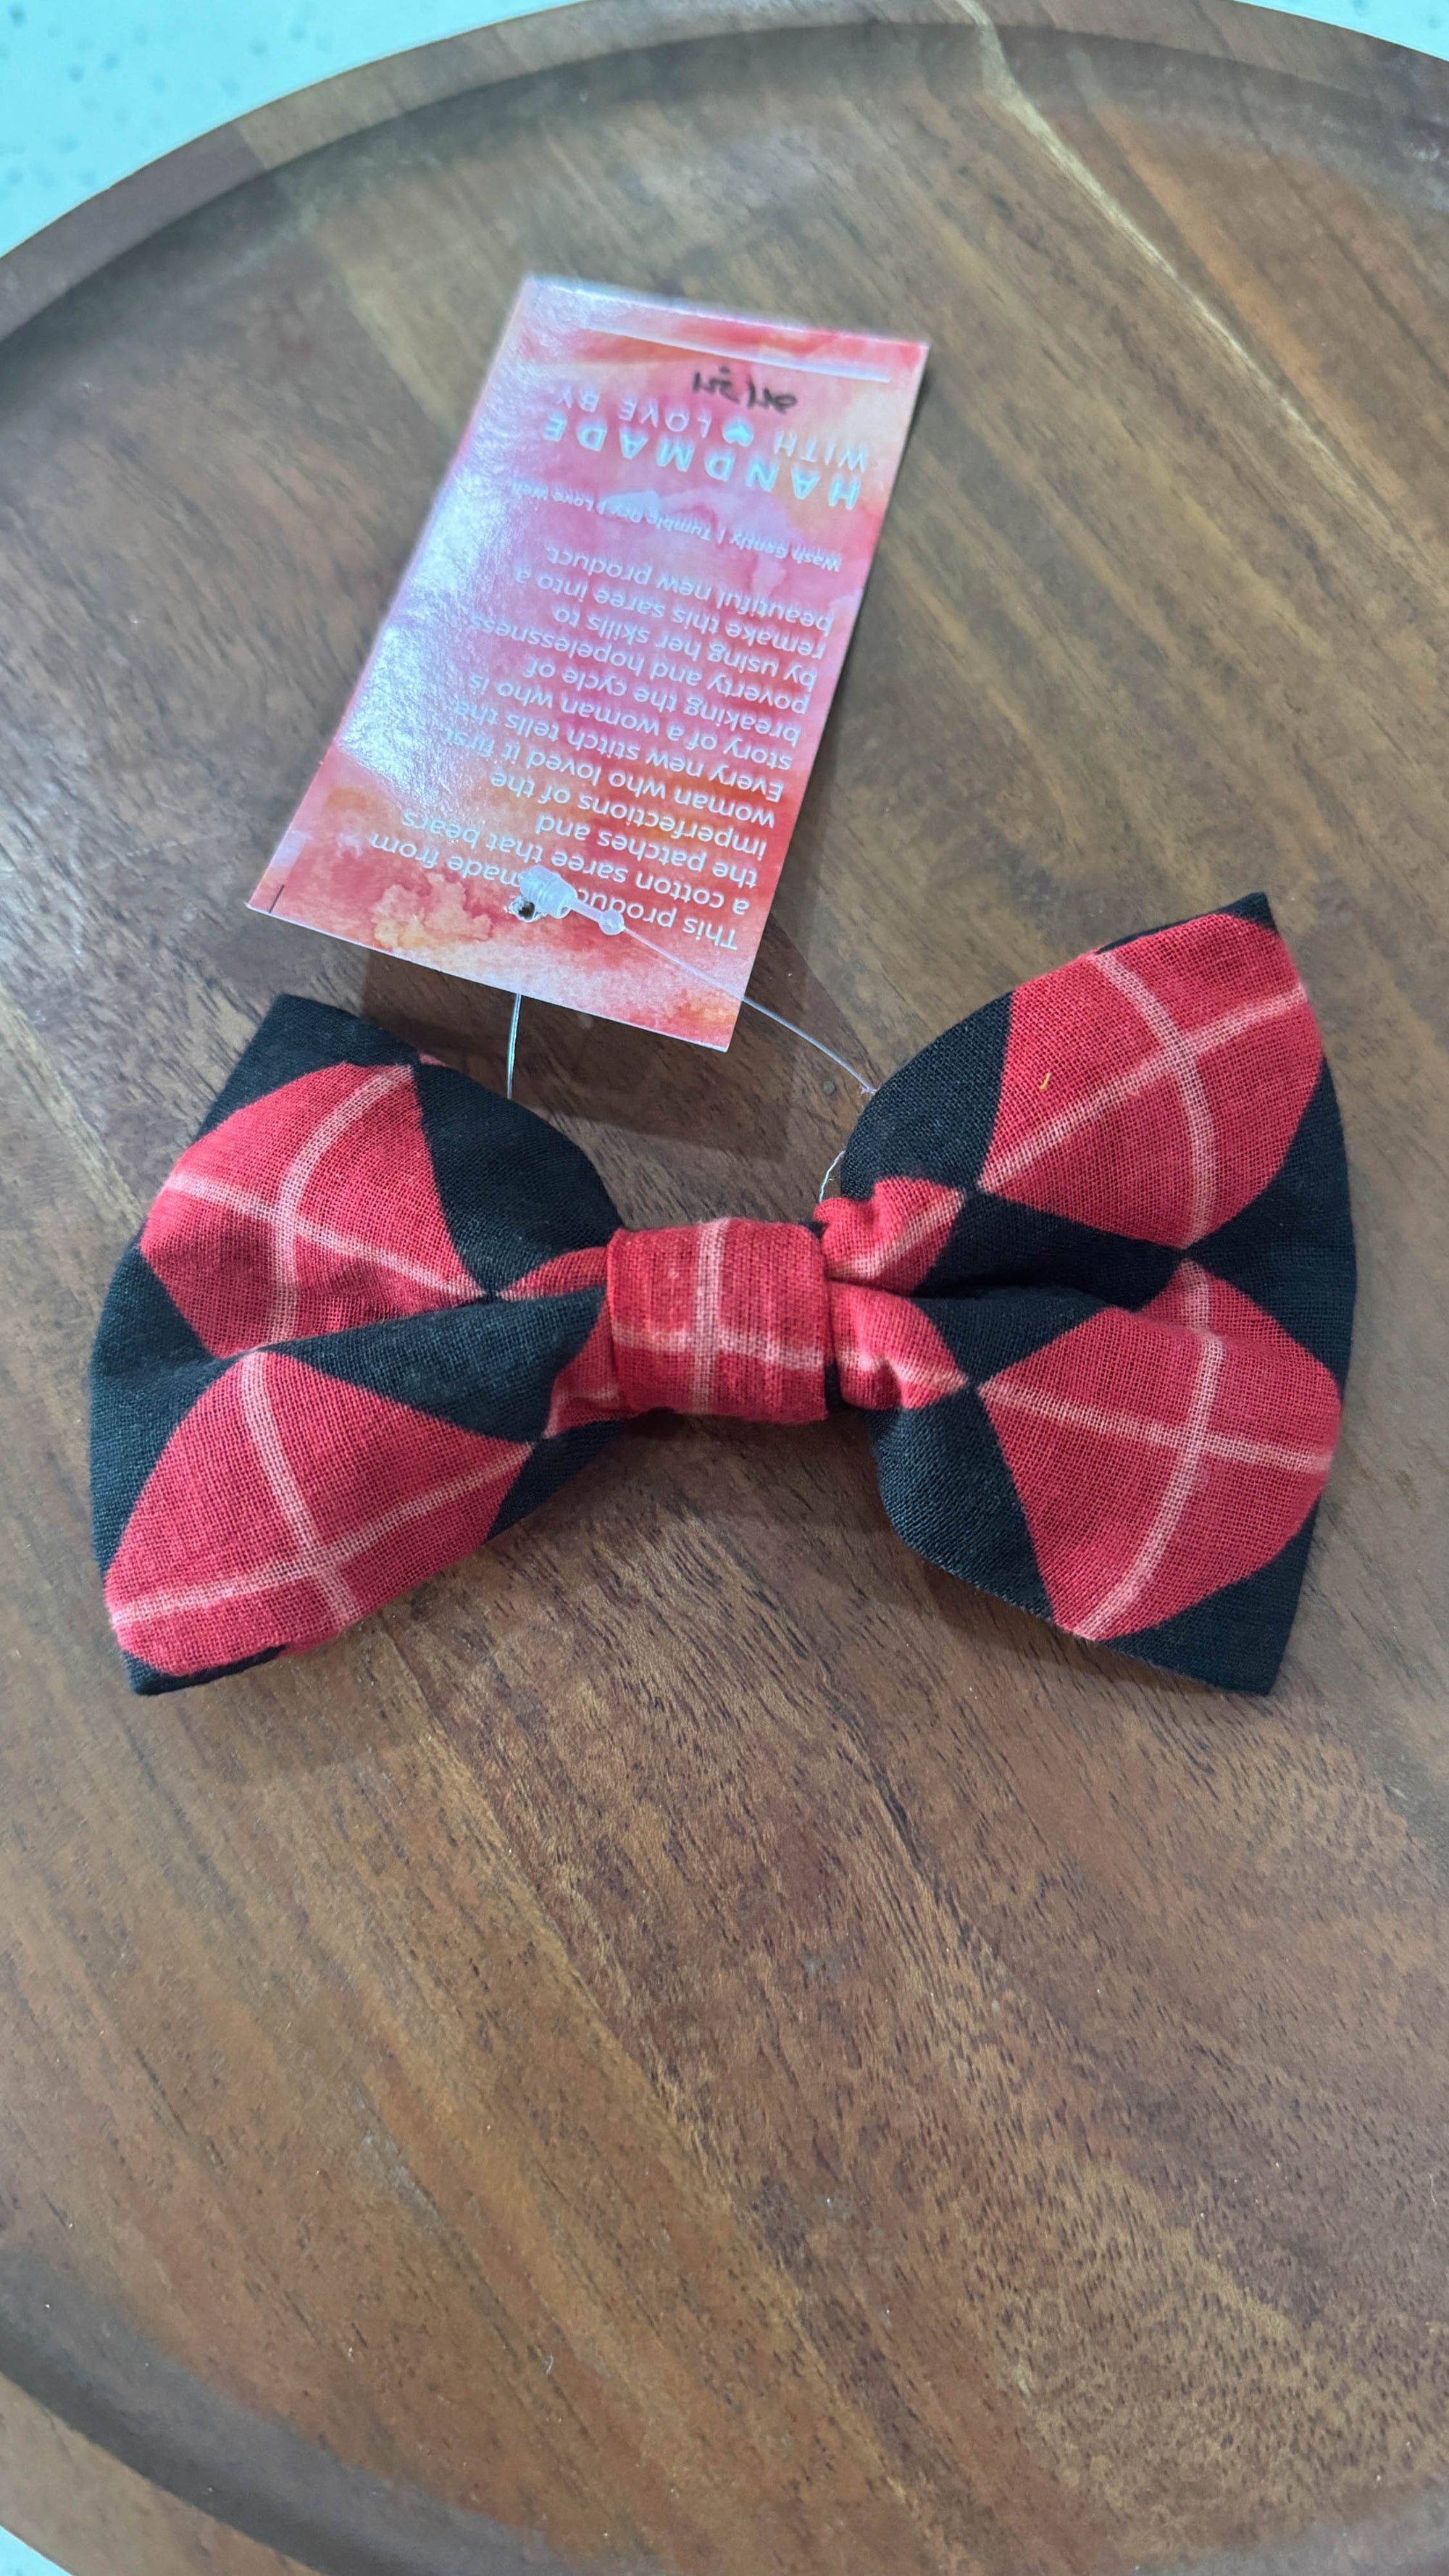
[(1155, 1089), (310, 1211), (1089, 1280), (330, 1499), (1166, 1411)]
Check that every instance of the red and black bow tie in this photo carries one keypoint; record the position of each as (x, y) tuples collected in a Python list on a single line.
[(1090, 1278)]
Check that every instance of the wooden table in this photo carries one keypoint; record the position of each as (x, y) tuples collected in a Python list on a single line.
[(695, 2037)]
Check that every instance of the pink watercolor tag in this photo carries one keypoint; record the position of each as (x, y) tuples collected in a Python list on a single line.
[(574, 759)]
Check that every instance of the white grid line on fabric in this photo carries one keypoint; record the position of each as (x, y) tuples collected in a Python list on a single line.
[(607, 1401), (708, 1285), (325, 1238), (1193, 1440), (742, 1341), (705, 1339), (327, 1132), (944, 1379), (286, 1493), (1121, 1088), (1111, 1611), (281, 1571), (1202, 1134), (865, 1268), (1235, 1446)]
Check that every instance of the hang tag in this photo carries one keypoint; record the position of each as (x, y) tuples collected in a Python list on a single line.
[(575, 756)]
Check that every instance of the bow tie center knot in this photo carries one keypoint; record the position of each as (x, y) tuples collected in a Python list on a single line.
[(726, 1318)]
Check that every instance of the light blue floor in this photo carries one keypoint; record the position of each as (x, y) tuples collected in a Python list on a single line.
[(92, 89), (17, 2560)]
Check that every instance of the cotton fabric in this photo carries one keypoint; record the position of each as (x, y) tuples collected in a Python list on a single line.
[(1090, 1280)]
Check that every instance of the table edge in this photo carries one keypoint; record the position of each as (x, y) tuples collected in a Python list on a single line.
[(1390, 79)]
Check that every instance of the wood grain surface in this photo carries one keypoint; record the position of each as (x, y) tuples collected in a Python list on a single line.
[(97, 2514), (695, 2042)]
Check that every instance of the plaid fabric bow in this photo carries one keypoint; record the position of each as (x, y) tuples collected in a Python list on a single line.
[(1090, 1278)]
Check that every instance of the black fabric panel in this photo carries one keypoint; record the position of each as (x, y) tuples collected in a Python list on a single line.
[(995, 1242), (299, 1037), (933, 1119), (488, 1367), (995, 1327), (552, 1464), (948, 1493), (514, 1190), (147, 1369), (1251, 907), (1235, 1639), (148, 1683), (1291, 1249)]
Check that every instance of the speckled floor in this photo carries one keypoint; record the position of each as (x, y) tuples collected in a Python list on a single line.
[(90, 90), (17, 2560)]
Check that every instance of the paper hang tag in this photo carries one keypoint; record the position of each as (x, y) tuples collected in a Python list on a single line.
[(575, 756)]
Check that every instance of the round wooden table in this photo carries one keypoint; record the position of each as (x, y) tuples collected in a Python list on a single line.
[(695, 2042)]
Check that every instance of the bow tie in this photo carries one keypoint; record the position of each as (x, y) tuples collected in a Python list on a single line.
[(1090, 1279)]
